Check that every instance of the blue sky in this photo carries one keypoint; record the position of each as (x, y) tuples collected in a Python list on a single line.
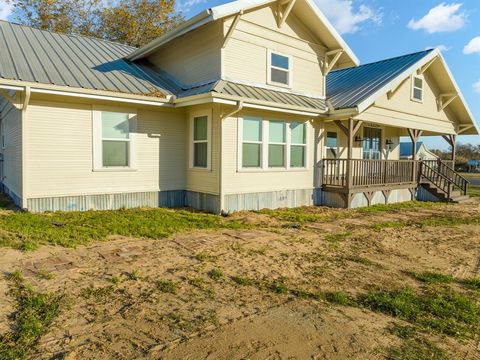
[(378, 29)]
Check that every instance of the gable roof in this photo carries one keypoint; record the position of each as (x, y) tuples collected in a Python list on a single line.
[(348, 88), (311, 16), (39, 56)]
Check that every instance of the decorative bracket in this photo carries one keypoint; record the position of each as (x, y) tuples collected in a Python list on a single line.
[(445, 99), (14, 100), (232, 29), (282, 15), (426, 66), (329, 64), (392, 92)]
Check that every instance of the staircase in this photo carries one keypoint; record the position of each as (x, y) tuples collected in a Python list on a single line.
[(443, 182)]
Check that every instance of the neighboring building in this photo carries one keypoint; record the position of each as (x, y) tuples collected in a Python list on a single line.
[(422, 152), (473, 165), (248, 105)]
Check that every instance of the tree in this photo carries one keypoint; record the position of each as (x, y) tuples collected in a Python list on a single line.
[(131, 22)]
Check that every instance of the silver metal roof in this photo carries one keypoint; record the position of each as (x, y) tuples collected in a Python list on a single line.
[(256, 93), (347, 88), (32, 55)]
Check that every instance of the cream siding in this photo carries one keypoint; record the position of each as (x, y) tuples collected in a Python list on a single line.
[(401, 111), (12, 154), (236, 180), (194, 57), (204, 180), (59, 152), (255, 34)]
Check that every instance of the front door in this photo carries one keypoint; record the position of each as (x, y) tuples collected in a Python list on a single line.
[(372, 140)]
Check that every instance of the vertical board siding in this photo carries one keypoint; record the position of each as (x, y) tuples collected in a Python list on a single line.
[(424, 195), (12, 154), (59, 153)]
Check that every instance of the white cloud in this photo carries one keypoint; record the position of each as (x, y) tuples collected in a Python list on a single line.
[(476, 86), (186, 6), (441, 18), (5, 9), (346, 17), (473, 46), (440, 47)]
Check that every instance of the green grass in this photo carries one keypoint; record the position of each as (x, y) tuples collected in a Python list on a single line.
[(474, 190), (473, 283), (338, 237), (243, 281), (417, 349), (215, 274), (442, 310), (403, 331), (33, 316), (432, 277), (26, 231)]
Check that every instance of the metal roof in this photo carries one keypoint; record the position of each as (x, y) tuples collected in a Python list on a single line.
[(256, 93), (45, 57), (347, 88)]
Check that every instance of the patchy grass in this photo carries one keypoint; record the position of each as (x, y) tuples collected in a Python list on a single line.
[(99, 294), (403, 331), (474, 190), (35, 312), (26, 231), (167, 286), (442, 310), (473, 283), (417, 349), (432, 277), (338, 237), (243, 281), (215, 274)]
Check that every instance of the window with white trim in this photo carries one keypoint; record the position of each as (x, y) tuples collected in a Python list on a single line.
[(113, 140), (279, 72), (272, 144), (252, 144), (417, 89), (298, 145), (200, 125)]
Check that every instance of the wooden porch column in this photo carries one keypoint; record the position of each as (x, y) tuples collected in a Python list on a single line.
[(452, 141), (350, 131), (414, 136)]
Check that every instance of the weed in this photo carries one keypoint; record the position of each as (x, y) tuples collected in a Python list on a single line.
[(239, 280), (336, 238), (116, 280), (417, 349), (134, 275), (361, 260), (215, 274), (34, 314), (403, 331), (98, 294), (202, 257), (279, 286), (473, 283), (338, 298), (388, 225), (44, 275), (167, 286)]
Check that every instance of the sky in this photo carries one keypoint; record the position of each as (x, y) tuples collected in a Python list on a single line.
[(379, 29)]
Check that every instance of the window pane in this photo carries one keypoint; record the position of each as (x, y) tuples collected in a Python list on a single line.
[(331, 139), (276, 131), (115, 125), (297, 156), (417, 94), (276, 155), (251, 155), (418, 82), (200, 128), (200, 154), (298, 133), (280, 76), (280, 61), (115, 153), (252, 130)]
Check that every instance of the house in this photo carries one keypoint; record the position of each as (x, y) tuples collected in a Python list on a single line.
[(473, 166), (422, 152), (248, 105)]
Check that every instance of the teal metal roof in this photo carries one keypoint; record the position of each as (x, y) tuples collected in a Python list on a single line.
[(347, 88)]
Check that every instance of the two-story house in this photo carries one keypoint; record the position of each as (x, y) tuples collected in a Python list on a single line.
[(252, 104)]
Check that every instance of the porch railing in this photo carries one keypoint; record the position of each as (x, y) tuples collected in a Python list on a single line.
[(442, 174), (366, 173)]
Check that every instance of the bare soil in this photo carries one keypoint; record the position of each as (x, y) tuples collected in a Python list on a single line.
[(117, 308)]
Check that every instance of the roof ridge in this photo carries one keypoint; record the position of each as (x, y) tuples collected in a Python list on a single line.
[(384, 60), (69, 34)]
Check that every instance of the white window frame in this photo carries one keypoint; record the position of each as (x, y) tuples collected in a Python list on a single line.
[(284, 144), (265, 142), (98, 140), (3, 134), (270, 67), (192, 141), (413, 98), (290, 144)]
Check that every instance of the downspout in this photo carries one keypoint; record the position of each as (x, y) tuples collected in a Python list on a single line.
[(26, 101), (237, 109)]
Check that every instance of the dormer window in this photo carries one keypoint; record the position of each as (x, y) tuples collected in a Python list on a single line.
[(417, 89), (279, 72)]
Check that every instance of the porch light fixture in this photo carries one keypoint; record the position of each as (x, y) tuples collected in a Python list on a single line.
[(389, 143)]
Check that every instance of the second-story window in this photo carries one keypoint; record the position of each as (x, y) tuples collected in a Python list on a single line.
[(279, 69), (417, 89)]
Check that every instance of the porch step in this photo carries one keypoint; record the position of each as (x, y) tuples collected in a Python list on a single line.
[(455, 195), (460, 199)]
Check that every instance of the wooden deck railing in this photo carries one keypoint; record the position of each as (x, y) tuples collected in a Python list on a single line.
[(442, 174), (366, 173)]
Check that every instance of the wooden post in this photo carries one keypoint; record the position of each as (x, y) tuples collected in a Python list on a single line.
[(452, 141), (414, 136)]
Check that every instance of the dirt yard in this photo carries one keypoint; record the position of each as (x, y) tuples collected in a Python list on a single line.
[(394, 282)]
